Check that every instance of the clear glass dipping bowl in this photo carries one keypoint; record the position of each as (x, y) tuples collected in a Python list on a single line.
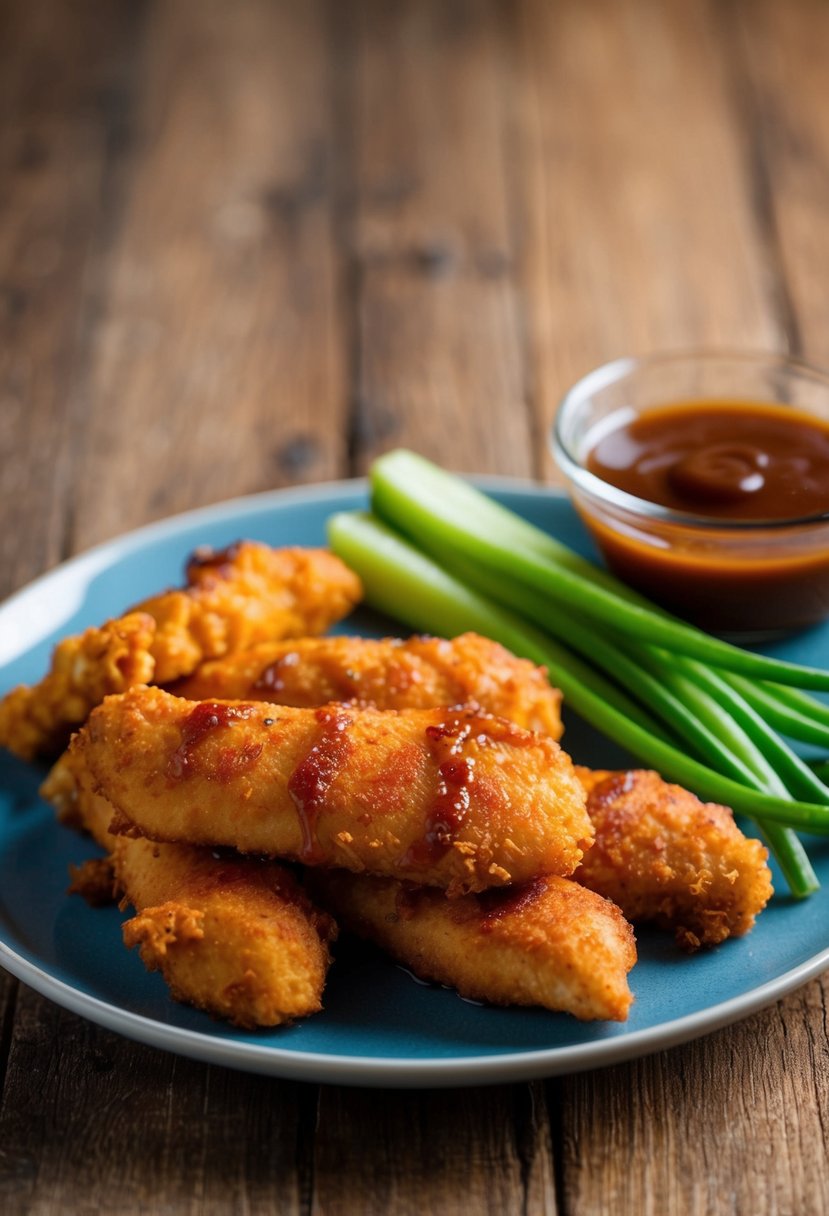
[(744, 579)]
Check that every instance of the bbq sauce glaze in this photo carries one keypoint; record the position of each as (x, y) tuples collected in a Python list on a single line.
[(731, 462), (728, 461)]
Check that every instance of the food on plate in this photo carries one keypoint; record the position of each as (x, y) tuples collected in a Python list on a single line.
[(549, 942), (439, 555), (659, 853), (235, 936), (419, 782), (70, 788), (664, 856), (234, 598), (418, 673), (451, 798)]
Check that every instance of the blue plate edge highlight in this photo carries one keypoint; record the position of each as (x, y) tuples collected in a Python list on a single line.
[(348, 1069)]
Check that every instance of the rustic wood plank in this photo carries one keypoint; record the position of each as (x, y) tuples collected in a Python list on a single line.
[(212, 276), (439, 365), (628, 163), (438, 342), (93, 1123), (8, 998), (213, 190), (59, 127), (217, 362), (434, 1154), (731, 1124), (648, 226), (783, 50)]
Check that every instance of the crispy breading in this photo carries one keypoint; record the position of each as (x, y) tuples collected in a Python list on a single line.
[(636, 863), (236, 598), (418, 673), (70, 788), (235, 936), (550, 942), (451, 798), (664, 856)]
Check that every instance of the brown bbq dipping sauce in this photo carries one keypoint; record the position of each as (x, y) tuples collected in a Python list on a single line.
[(757, 467)]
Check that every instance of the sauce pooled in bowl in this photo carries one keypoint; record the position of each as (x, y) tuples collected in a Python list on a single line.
[(738, 541)]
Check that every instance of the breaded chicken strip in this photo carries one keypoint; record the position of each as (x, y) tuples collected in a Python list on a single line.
[(450, 798), (664, 856), (550, 942), (71, 790), (390, 674), (237, 937), (236, 598), (635, 858)]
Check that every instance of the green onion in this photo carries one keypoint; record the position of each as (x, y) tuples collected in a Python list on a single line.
[(785, 718), (425, 503), (407, 584), (651, 682), (800, 701), (707, 730)]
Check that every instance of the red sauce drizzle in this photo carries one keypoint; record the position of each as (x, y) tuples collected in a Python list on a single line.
[(610, 790), (271, 679), (456, 774), (206, 558), (207, 717), (313, 777), (497, 904)]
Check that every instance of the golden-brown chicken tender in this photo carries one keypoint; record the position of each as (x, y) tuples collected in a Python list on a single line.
[(550, 942), (70, 788), (237, 937), (418, 673), (451, 798), (664, 856), (243, 595)]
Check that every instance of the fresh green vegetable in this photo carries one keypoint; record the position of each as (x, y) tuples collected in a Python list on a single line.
[(694, 714), (651, 682), (426, 503), (797, 722), (407, 584)]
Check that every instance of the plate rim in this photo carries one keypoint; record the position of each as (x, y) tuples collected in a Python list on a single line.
[(337, 1068), (392, 1072)]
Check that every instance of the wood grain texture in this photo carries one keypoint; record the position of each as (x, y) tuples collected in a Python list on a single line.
[(256, 244), (486, 1151), (92, 1123), (438, 346), (734, 1123), (628, 164), (217, 365), (56, 134), (781, 49)]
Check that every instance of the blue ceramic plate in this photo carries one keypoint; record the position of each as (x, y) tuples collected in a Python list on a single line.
[(379, 1026)]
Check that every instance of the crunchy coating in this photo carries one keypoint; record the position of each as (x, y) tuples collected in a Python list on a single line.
[(418, 673), (235, 598), (70, 788), (551, 942), (237, 937), (451, 798), (664, 856)]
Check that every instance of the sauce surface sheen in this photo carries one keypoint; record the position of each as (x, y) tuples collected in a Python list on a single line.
[(726, 459)]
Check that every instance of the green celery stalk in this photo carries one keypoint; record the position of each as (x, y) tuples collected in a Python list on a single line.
[(392, 573), (426, 503)]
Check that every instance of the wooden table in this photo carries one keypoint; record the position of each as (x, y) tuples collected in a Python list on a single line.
[(250, 244)]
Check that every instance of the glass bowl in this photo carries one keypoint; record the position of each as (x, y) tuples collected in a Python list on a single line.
[(746, 579)]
